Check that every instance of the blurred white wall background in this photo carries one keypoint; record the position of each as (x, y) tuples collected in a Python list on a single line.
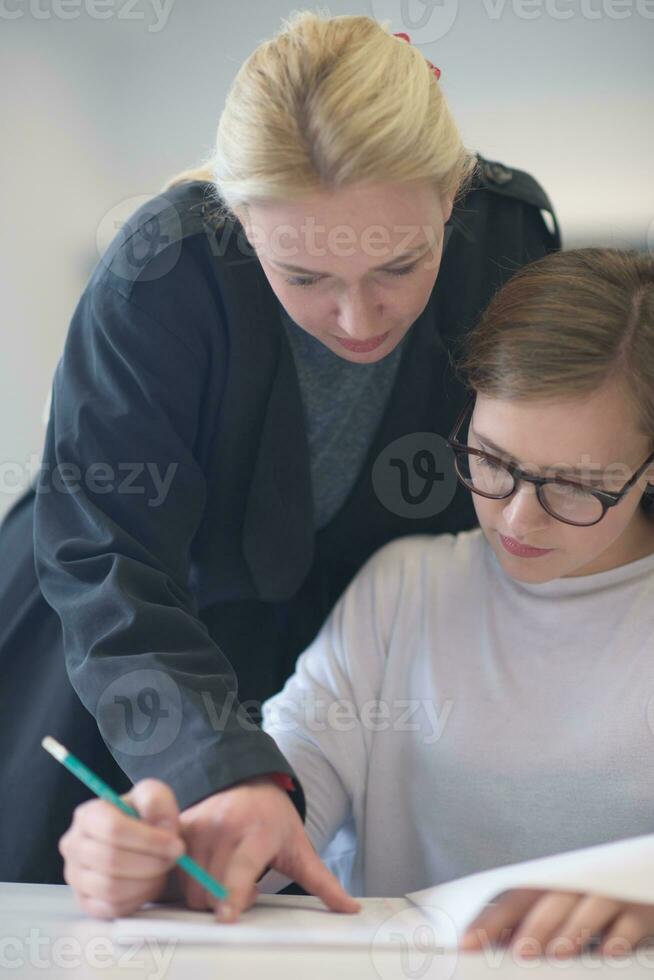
[(105, 99)]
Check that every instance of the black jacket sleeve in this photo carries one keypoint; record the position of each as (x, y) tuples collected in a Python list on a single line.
[(119, 498)]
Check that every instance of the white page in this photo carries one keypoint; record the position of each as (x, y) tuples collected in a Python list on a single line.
[(623, 870), (278, 920), (436, 917)]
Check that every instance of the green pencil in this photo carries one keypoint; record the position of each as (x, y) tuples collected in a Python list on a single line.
[(100, 788)]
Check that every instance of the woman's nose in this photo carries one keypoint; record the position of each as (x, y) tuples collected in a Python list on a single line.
[(360, 318), (523, 514)]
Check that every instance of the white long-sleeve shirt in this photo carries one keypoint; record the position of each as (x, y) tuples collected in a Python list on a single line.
[(448, 719)]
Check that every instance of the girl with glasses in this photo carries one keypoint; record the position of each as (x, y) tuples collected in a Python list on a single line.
[(556, 439)]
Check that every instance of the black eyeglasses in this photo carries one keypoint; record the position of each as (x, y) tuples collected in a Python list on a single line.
[(565, 500)]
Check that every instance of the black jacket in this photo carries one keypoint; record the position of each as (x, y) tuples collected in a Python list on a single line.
[(130, 611)]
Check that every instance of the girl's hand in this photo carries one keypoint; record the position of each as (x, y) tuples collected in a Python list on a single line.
[(115, 863), (535, 921), (240, 832)]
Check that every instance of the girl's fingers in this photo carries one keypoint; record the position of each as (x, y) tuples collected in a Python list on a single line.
[(543, 921), (97, 908), (119, 894), (255, 851), (102, 821), (219, 858), (310, 873), (498, 918), (563, 923), (155, 802), (244, 865), (589, 917), (211, 847), (631, 926), (214, 854), (117, 862), (211, 852)]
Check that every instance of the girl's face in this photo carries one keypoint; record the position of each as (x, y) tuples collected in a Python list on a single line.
[(550, 438), (353, 268)]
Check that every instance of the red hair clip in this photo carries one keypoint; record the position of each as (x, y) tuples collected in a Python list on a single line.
[(405, 37)]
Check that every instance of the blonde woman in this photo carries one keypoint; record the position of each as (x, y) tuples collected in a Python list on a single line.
[(229, 440), (484, 698)]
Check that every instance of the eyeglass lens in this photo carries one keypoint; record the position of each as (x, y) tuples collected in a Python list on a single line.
[(493, 479)]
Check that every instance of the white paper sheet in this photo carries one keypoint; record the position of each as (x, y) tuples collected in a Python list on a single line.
[(274, 920), (622, 869)]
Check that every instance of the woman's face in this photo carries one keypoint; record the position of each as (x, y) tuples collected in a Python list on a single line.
[(352, 284), (596, 432)]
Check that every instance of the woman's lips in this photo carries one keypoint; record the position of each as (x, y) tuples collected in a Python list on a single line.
[(362, 346), (522, 550)]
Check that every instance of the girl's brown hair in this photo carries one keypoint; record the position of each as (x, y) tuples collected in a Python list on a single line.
[(565, 325), (328, 102)]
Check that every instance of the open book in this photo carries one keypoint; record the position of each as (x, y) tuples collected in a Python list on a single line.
[(623, 870)]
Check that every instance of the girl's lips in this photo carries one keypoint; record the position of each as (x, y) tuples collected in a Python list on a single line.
[(362, 347), (522, 550)]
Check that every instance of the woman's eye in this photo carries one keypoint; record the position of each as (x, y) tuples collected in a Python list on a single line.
[(567, 490), (295, 281), (299, 281), (404, 270)]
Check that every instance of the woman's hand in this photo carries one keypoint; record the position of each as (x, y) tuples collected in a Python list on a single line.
[(237, 833), (115, 863), (536, 922)]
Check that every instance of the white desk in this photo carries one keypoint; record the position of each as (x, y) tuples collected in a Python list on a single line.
[(43, 933)]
